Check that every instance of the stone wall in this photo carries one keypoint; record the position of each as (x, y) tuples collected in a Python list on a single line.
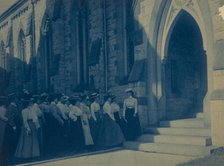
[(96, 61)]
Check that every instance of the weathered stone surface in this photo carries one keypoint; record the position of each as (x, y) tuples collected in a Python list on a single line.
[(64, 57)]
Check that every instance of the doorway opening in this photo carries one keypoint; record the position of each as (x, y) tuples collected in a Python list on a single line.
[(185, 69)]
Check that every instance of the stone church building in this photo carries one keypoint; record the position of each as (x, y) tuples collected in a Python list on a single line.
[(170, 51)]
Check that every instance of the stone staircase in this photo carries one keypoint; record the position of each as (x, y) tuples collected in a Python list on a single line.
[(180, 137)]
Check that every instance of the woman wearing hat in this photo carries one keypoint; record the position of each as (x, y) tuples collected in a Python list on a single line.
[(95, 116), (13, 125), (110, 133), (116, 109), (54, 124), (29, 145), (85, 120), (130, 114), (76, 133), (3, 128)]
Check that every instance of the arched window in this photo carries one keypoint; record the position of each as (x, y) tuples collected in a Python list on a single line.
[(21, 61), (22, 46)]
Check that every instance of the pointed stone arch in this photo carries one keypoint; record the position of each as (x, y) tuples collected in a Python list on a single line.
[(177, 7), (163, 17), (21, 45)]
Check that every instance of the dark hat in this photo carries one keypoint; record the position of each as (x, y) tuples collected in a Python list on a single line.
[(94, 95), (27, 99), (73, 99), (83, 96), (113, 97), (64, 98), (44, 96), (3, 98), (106, 97)]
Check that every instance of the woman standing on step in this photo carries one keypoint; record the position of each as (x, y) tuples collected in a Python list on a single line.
[(130, 114)]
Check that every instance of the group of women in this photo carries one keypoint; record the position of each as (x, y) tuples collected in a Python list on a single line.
[(56, 122)]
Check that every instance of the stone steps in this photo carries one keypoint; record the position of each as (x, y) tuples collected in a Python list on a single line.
[(202, 132), (180, 137), (188, 150), (176, 139), (186, 123)]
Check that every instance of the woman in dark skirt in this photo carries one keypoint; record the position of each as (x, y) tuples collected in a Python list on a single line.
[(11, 128), (110, 133), (95, 119), (117, 115), (28, 146), (130, 114), (54, 123), (76, 130), (116, 110), (3, 129)]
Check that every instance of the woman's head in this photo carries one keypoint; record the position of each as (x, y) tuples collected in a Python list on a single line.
[(108, 98), (95, 97), (130, 92), (75, 100)]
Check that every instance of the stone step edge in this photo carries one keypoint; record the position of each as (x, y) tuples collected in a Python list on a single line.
[(183, 136), (210, 149), (206, 139)]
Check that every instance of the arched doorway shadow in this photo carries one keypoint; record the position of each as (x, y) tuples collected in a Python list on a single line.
[(185, 68)]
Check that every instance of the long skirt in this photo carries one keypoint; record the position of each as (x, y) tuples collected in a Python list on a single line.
[(117, 117), (133, 125), (110, 133), (2, 149), (52, 134), (94, 126), (7, 141), (77, 139), (2, 134), (86, 130), (28, 146)]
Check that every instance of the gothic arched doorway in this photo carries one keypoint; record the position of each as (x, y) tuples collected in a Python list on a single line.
[(185, 69)]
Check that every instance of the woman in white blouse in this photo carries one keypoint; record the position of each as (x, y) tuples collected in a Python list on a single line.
[(76, 125), (95, 120), (130, 114), (110, 133), (29, 146)]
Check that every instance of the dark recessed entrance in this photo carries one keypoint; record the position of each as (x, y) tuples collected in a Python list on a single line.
[(185, 69)]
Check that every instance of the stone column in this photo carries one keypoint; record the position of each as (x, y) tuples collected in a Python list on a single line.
[(140, 90), (217, 108)]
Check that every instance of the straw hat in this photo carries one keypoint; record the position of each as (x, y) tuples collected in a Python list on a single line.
[(129, 90)]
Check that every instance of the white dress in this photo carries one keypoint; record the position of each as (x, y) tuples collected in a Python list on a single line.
[(85, 124)]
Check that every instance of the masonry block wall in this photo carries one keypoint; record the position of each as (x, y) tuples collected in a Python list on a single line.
[(71, 45)]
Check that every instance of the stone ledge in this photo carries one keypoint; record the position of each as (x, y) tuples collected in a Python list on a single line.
[(217, 94)]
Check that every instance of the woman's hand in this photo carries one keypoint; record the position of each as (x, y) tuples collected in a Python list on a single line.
[(28, 131)]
